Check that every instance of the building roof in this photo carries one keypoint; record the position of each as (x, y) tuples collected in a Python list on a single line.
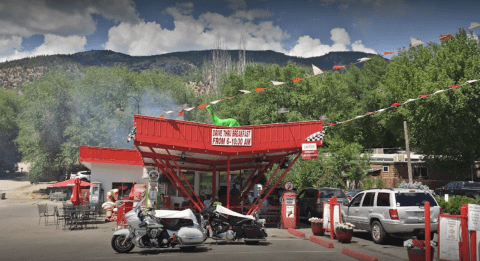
[(89, 155)]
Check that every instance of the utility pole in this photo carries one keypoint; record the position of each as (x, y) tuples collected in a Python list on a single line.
[(407, 145)]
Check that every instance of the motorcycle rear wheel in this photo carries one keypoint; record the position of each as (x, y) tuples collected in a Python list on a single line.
[(119, 246), (251, 242), (188, 249)]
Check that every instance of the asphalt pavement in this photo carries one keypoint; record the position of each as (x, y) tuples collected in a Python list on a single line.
[(24, 239)]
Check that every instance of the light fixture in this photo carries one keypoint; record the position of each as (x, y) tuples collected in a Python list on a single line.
[(282, 110)]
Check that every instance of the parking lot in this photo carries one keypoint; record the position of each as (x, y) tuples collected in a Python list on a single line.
[(24, 239)]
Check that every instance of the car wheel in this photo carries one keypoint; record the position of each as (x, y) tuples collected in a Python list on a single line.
[(378, 233)]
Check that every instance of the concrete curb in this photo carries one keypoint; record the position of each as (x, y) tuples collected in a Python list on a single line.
[(296, 232), (358, 255), (321, 242)]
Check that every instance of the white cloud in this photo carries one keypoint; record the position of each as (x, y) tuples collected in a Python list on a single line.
[(53, 44), (358, 46), (189, 33), (8, 45), (237, 4), (308, 47)]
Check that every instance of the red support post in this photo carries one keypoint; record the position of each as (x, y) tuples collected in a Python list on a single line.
[(464, 227), (428, 249), (214, 182), (276, 183), (228, 182), (333, 201)]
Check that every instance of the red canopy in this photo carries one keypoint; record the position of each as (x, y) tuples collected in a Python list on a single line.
[(75, 199), (70, 183)]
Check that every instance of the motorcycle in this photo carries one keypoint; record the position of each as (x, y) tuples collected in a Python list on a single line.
[(220, 227), (147, 231)]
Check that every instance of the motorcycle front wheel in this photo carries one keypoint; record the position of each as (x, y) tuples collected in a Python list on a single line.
[(119, 246)]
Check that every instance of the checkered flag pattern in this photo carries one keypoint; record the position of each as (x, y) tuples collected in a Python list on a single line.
[(316, 136)]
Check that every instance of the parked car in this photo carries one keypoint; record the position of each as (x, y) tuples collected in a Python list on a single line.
[(311, 200), (385, 212), (83, 175), (352, 193), (460, 188), (275, 198)]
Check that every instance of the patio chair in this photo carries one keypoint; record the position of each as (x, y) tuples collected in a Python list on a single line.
[(87, 216), (43, 212), (61, 217)]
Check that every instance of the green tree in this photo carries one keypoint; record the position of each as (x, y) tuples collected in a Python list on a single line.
[(9, 154)]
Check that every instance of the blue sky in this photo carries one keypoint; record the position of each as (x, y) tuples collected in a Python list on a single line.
[(299, 28)]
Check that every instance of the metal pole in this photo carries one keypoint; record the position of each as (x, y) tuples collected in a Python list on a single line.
[(428, 248), (407, 145)]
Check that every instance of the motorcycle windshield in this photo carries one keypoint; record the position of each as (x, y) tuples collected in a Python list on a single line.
[(184, 214), (226, 211)]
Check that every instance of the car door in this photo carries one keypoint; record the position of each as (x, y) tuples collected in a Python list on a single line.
[(364, 211), (351, 213)]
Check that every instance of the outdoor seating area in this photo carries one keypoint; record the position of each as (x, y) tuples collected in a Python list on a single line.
[(70, 216)]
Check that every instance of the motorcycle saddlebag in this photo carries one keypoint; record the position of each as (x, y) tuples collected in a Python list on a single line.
[(190, 236), (252, 232)]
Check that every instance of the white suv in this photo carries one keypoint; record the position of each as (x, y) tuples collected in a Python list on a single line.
[(391, 211), (83, 175)]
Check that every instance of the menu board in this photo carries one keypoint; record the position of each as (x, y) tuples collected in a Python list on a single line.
[(448, 238)]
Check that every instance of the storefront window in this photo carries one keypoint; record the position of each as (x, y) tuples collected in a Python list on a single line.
[(124, 188), (205, 184)]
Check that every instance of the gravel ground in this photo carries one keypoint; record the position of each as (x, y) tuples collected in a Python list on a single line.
[(18, 190)]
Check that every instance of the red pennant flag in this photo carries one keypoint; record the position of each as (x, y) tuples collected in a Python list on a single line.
[(396, 104), (202, 106), (162, 116), (387, 53), (180, 113), (259, 89), (336, 67), (297, 79), (444, 36), (454, 86), (331, 124), (423, 96), (229, 98)]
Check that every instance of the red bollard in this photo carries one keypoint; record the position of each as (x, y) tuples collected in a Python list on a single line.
[(428, 249), (463, 225), (333, 201)]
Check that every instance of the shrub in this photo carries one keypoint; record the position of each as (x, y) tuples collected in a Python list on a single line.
[(416, 185), (454, 204)]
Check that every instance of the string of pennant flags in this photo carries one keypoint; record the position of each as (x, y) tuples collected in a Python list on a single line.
[(317, 71)]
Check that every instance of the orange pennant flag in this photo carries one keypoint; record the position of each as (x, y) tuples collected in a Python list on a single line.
[(202, 106), (180, 113), (387, 53), (370, 113), (259, 89), (297, 79), (444, 36), (336, 67), (162, 116), (423, 96), (396, 104), (454, 86), (331, 124), (229, 98)]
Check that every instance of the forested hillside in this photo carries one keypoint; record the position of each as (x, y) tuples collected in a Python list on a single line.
[(64, 110)]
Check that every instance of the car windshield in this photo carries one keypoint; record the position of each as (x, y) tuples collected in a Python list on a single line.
[(414, 199), (472, 185), (333, 192)]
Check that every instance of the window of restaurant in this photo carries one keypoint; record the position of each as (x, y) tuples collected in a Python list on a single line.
[(124, 188), (205, 184), (171, 191)]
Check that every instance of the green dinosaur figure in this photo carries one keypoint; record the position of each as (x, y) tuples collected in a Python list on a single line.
[(222, 122)]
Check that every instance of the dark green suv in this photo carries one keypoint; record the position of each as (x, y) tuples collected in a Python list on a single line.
[(310, 200)]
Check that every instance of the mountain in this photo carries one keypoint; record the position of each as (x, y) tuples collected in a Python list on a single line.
[(14, 74)]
